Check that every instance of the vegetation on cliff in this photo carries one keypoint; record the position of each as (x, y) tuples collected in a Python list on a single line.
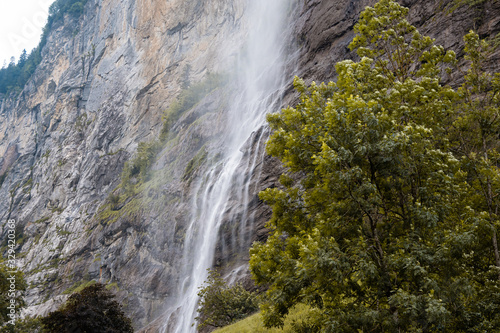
[(393, 224), (137, 176), (12, 287), (140, 166), (14, 76)]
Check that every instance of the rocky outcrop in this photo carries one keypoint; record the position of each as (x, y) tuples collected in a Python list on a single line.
[(103, 86)]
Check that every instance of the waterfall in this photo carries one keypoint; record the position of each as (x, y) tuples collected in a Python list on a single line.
[(258, 86)]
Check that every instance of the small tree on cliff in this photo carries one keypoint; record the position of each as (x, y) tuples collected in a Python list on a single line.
[(380, 233)]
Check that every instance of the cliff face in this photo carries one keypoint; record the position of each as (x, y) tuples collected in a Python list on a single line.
[(102, 87), (325, 29)]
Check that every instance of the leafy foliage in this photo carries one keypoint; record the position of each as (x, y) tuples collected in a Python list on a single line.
[(221, 305), (475, 140), (389, 228), (79, 286), (90, 310), (114, 200), (14, 76), (5, 292), (28, 324), (62, 7)]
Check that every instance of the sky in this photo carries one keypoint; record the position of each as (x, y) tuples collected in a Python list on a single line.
[(21, 23)]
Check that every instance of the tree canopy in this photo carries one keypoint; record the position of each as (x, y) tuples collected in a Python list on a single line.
[(386, 220), (91, 310), (221, 304)]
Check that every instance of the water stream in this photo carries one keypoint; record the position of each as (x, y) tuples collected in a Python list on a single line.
[(258, 88)]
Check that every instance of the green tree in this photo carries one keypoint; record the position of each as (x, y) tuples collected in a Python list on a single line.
[(28, 324), (475, 140), (221, 305), (10, 278), (478, 128), (377, 233), (15, 76), (91, 310), (22, 59)]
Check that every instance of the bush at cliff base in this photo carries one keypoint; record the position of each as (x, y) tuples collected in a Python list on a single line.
[(91, 310)]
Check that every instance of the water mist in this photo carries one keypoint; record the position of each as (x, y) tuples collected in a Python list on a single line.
[(259, 83)]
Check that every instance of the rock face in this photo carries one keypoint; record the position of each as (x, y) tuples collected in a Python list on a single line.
[(102, 87), (325, 29)]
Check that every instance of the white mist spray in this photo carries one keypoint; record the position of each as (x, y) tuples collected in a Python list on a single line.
[(258, 87)]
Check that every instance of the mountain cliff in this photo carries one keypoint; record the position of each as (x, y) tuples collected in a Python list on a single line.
[(106, 153)]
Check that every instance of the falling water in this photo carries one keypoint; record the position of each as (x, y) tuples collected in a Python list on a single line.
[(258, 86)]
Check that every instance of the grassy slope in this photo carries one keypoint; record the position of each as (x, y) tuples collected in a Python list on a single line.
[(253, 324)]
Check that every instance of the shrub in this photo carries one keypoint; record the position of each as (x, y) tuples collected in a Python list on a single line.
[(114, 200), (28, 324), (221, 305), (91, 310)]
